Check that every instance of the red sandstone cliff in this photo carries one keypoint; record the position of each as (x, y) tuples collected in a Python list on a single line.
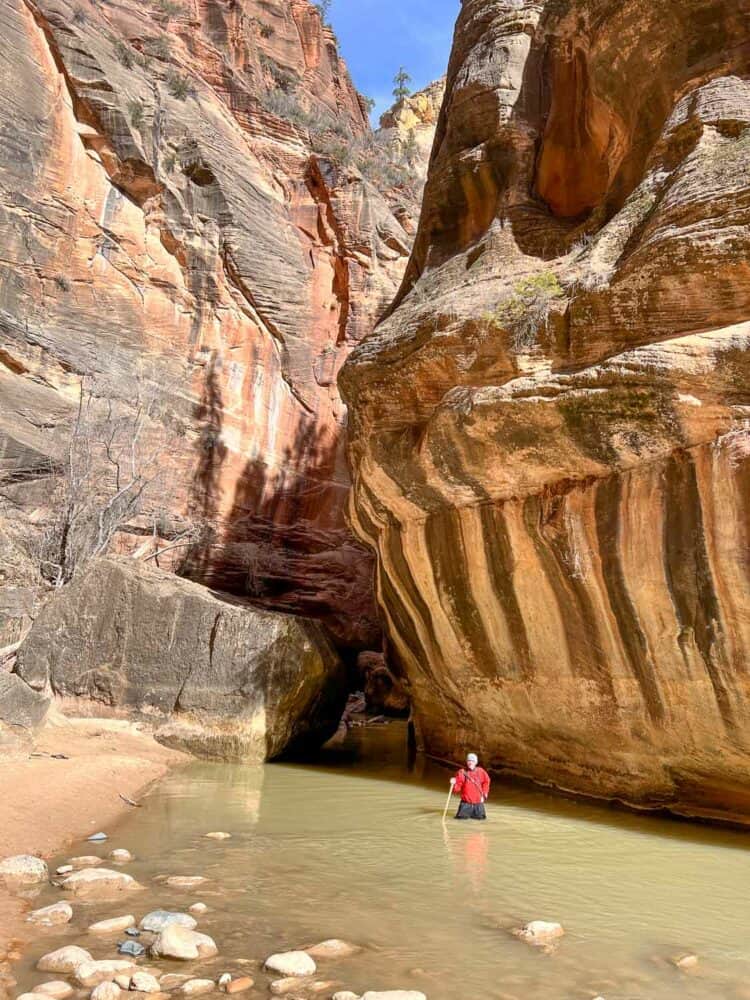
[(551, 432), (184, 229)]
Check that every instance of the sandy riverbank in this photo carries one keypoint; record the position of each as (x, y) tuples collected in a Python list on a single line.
[(46, 803)]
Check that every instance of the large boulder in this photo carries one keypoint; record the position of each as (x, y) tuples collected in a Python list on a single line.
[(227, 681), (20, 704)]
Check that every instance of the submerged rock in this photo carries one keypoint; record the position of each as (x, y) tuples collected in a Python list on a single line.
[(176, 941), (112, 926), (239, 985), (157, 920), (86, 861), (291, 963), (198, 908), (686, 963), (64, 960), (218, 835), (99, 883), (333, 948), (24, 869), (48, 916), (540, 932), (57, 989), (185, 881), (98, 837), (133, 948)]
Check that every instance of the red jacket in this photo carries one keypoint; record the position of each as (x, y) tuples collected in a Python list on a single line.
[(472, 786)]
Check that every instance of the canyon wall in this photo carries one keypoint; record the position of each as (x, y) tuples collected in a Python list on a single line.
[(188, 257), (551, 431)]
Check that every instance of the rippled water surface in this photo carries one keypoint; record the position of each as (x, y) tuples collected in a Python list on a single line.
[(354, 847)]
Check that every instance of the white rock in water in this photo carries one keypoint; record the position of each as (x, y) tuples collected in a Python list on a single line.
[(98, 882), (394, 995), (686, 962), (112, 926), (157, 920), (106, 991), (121, 856), (48, 916), (97, 837), (291, 963), (63, 869), (57, 989), (280, 987), (218, 835), (123, 980), (144, 982), (194, 987), (185, 881), (24, 868), (333, 948), (180, 942), (198, 908), (346, 995), (92, 973), (65, 960), (224, 978), (27, 996), (540, 932)]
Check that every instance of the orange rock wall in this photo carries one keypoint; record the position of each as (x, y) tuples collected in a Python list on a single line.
[(551, 431)]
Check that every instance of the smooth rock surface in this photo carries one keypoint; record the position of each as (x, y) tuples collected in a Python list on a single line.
[(55, 913), (196, 987), (333, 948), (106, 991), (225, 681), (121, 856), (176, 941), (291, 963), (64, 960), (144, 982), (24, 869), (114, 925), (58, 989), (99, 883), (157, 920), (540, 932), (102, 971)]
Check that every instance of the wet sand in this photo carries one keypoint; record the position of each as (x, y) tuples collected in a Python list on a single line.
[(46, 803)]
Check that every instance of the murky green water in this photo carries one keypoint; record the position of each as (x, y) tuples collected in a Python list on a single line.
[(355, 848)]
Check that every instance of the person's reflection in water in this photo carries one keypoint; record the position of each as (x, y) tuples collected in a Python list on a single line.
[(469, 855)]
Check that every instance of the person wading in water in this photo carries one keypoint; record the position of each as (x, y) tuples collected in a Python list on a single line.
[(472, 783)]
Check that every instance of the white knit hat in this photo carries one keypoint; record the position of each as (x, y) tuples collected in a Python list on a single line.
[(472, 756)]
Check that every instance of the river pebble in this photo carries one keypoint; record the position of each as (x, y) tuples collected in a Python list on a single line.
[(24, 868), (97, 838), (185, 881), (57, 989), (99, 883), (121, 856), (112, 926), (195, 987), (122, 980), (48, 916), (157, 920), (106, 991), (345, 995), (144, 982), (218, 835), (239, 985), (686, 963), (132, 948), (333, 948), (27, 996), (64, 960), (63, 869), (92, 973), (176, 941), (198, 908), (291, 963)]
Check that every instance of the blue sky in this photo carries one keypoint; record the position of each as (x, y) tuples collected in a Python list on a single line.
[(378, 36)]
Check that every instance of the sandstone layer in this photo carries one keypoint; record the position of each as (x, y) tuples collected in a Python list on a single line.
[(182, 236), (218, 679), (551, 431)]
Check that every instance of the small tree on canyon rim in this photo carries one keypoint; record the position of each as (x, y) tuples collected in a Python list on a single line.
[(324, 9), (400, 84), (107, 469)]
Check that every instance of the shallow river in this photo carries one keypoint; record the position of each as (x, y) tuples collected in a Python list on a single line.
[(354, 847)]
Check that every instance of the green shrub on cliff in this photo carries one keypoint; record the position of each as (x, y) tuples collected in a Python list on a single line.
[(527, 309)]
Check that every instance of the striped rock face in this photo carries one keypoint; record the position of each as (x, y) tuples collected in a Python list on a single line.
[(551, 431)]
